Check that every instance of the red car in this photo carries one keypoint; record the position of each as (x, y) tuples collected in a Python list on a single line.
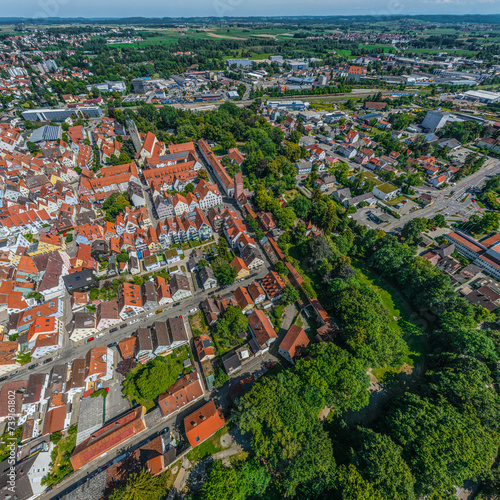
[(270, 365), (90, 339)]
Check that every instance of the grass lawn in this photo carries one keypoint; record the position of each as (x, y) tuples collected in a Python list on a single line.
[(343, 52), (290, 194), (207, 448), (410, 323), (198, 324)]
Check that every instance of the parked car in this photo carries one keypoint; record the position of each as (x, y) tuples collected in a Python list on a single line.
[(159, 311), (113, 330), (32, 366), (90, 339), (112, 344), (134, 321), (124, 325), (193, 310), (48, 360), (149, 315)]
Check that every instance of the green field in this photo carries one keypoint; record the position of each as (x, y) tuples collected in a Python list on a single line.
[(385, 48), (169, 36)]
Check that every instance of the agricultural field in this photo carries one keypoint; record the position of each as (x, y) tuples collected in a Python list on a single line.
[(385, 48)]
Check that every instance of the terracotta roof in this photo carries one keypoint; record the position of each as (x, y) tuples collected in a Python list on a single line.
[(202, 423), (295, 341), (261, 327), (127, 347), (108, 437), (182, 392), (54, 420)]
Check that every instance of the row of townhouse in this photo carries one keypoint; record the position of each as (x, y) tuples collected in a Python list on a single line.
[(158, 340), (131, 301)]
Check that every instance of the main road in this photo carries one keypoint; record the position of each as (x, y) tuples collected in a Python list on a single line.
[(451, 201)]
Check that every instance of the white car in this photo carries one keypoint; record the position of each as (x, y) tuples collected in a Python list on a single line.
[(134, 321), (193, 310), (149, 315)]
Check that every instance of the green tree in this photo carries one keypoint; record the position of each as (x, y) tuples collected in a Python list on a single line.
[(291, 151), (241, 481), (412, 229), (202, 174), (379, 460), (442, 446), (340, 378), (350, 485), (226, 273), (291, 295), (140, 486)]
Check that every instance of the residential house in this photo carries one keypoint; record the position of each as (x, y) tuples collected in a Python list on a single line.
[(107, 314), (149, 297), (76, 381), (273, 285), (177, 332), (183, 392), (80, 281), (111, 435), (251, 257), (126, 347), (256, 292), (386, 191), (143, 345), (207, 278), (203, 347), (160, 339), (179, 287), (82, 326), (203, 423), (303, 167), (239, 264), (98, 365), (293, 344), (244, 299), (262, 329), (129, 300)]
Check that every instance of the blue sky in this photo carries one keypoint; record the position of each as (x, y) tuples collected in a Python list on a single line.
[(187, 8)]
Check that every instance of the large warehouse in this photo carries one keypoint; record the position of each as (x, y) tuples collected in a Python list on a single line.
[(480, 95)]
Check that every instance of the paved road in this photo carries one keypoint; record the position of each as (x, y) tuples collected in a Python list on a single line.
[(72, 350), (452, 206)]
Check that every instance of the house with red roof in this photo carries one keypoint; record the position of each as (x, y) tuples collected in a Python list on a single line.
[(183, 392), (108, 437), (293, 344), (203, 423), (262, 329)]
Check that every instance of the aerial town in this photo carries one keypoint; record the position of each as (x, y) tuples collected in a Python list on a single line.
[(250, 259)]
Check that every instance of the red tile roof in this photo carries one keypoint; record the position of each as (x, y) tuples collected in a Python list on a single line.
[(295, 341), (202, 423), (184, 391), (108, 437)]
